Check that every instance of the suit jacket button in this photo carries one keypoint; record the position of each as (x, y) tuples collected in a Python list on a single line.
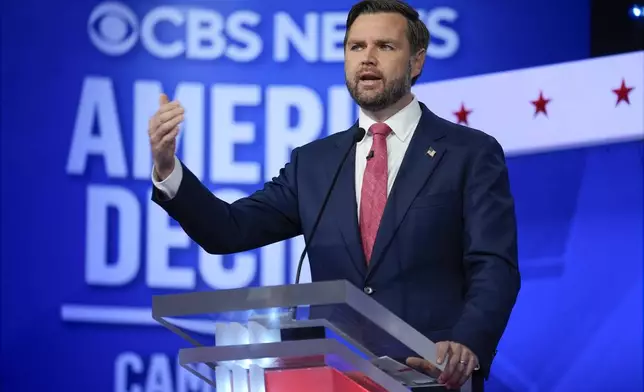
[(368, 290)]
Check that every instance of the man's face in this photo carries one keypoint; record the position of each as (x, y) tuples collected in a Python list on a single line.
[(378, 63)]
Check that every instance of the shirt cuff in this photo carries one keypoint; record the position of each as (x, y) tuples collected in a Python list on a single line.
[(170, 185)]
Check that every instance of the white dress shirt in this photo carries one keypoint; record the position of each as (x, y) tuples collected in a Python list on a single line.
[(402, 125)]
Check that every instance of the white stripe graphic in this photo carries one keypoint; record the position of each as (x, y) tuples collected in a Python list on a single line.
[(127, 315), (583, 111)]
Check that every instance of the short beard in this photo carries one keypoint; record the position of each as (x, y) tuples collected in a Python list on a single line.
[(394, 90)]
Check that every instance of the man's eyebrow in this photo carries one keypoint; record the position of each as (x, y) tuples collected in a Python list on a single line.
[(386, 41), (379, 41)]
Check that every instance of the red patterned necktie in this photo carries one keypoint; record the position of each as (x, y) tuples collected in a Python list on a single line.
[(374, 188)]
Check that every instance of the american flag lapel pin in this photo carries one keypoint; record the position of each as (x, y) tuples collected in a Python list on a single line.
[(431, 152)]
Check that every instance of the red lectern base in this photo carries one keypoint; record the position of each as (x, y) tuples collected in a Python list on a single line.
[(318, 379)]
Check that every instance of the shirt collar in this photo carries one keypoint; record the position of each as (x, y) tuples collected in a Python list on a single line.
[(402, 123)]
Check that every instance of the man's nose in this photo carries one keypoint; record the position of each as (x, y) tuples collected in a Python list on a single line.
[(370, 57)]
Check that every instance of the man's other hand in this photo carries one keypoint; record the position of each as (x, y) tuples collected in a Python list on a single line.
[(461, 362)]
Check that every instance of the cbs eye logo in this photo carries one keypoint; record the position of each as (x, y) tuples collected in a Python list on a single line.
[(113, 28)]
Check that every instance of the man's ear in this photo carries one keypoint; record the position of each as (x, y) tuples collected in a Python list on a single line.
[(417, 62)]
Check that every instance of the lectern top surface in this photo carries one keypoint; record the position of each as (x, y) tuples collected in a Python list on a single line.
[(295, 312)]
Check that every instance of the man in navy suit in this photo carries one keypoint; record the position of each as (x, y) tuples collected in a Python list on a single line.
[(421, 217)]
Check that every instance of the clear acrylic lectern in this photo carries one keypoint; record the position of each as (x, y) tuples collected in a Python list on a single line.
[(322, 336)]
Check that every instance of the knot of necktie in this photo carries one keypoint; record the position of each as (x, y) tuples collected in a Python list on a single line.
[(380, 129)]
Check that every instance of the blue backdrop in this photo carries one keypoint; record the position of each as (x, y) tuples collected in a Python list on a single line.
[(257, 78)]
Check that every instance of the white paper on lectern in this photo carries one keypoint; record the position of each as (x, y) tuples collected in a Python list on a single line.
[(403, 373)]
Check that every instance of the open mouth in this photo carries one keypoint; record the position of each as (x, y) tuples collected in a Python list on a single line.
[(369, 76), (369, 79)]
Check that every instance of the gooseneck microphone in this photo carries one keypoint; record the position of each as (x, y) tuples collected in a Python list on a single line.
[(357, 136)]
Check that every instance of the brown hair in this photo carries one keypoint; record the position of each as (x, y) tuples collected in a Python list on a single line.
[(417, 32)]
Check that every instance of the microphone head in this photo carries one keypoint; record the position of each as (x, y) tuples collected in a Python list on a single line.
[(358, 135)]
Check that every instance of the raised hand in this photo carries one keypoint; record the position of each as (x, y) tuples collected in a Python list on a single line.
[(163, 129)]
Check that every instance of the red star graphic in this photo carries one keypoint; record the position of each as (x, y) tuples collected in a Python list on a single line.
[(622, 93), (461, 115), (540, 104)]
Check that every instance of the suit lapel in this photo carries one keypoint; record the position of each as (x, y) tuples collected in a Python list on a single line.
[(416, 168), (343, 201)]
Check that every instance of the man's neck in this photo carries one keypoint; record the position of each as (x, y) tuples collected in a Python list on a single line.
[(384, 114)]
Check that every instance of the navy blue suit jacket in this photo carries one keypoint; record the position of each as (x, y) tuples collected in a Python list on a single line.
[(445, 257)]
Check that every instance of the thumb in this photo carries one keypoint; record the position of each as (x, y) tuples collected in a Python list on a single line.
[(414, 362), (441, 351), (163, 99)]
